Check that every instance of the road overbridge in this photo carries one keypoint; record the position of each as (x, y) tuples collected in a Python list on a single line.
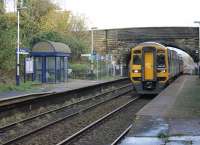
[(117, 41)]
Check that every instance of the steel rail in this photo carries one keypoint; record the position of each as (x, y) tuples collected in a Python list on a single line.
[(66, 117), (63, 107), (67, 140), (115, 142)]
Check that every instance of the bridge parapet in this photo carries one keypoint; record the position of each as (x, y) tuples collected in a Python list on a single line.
[(185, 38)]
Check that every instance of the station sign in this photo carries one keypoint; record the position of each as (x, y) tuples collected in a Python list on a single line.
[(108, 57), (23, 51), (102, 57), (90, 56), (95, 56), (86, 55), (99, 57)]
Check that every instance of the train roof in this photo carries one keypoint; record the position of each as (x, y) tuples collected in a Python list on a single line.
[(151, 43), (179, 52), (187, 59)]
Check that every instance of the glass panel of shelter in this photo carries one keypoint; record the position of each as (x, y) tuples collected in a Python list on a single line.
[(62, 69), (58, 70), (38, 69), (50, 69), (65, 68)]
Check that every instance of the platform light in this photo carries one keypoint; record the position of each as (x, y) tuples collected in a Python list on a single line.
[(92, 49), (198, 22), (19, 7)]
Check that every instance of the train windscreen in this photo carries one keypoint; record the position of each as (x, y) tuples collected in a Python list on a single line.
[(160, 61), (136, 59)]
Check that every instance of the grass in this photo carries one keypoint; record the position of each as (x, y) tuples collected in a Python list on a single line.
[(28, 86)]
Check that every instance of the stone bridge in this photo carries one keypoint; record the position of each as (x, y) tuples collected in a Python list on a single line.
[(119, 41)]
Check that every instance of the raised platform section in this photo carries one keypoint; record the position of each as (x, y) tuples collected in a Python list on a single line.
[(51, 88), (173, 117)]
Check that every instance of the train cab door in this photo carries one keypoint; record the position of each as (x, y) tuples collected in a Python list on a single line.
[(148, 77), (148, 65)]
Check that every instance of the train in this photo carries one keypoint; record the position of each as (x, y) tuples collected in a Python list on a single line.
[(153, 66)]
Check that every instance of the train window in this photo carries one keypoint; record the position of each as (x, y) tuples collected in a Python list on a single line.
[(161, 60), (137, 51), (137, 59)]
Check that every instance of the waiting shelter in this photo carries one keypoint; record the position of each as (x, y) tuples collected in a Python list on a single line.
[(50, 61)]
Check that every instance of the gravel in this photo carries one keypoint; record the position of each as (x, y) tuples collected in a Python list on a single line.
[(27, 126), (34, 107), (57, 132), (106, 132)]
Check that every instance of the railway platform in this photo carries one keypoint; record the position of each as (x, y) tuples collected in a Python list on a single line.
[(52, 88), (171, 118)]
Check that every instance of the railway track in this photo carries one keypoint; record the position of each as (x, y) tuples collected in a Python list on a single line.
[(20, 108), (119, 138), (106, 130), (30, 126)]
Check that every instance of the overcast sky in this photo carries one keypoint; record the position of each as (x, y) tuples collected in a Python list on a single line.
[(134, 13)]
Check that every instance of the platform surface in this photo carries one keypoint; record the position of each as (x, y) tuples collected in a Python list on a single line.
[(48, 88), (171, 118)]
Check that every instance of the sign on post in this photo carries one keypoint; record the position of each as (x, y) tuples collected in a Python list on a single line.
[(98, 57), (23, 51), (29, 65), (86, 55)]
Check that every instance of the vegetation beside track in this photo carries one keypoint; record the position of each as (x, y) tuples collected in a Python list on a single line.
[(42, 20), (25, 87)]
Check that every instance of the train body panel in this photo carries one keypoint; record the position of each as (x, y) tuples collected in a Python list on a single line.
[(152, 65)]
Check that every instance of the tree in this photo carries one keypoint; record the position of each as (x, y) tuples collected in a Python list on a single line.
[(42, 20), (7, 41), (58, 21), (39, 8), (2, 8), (31, 18)]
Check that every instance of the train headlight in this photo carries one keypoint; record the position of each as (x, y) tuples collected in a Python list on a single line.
[(161, 70), (136, 71)]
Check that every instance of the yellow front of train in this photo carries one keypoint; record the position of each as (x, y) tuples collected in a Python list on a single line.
[(149, 67)]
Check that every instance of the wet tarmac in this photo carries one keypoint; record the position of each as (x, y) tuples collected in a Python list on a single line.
[(172, 118), (176, 140)]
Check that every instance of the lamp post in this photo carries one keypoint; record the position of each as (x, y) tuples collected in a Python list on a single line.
[(19, 7), (18, 41), (198, 22), (92, 49)]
